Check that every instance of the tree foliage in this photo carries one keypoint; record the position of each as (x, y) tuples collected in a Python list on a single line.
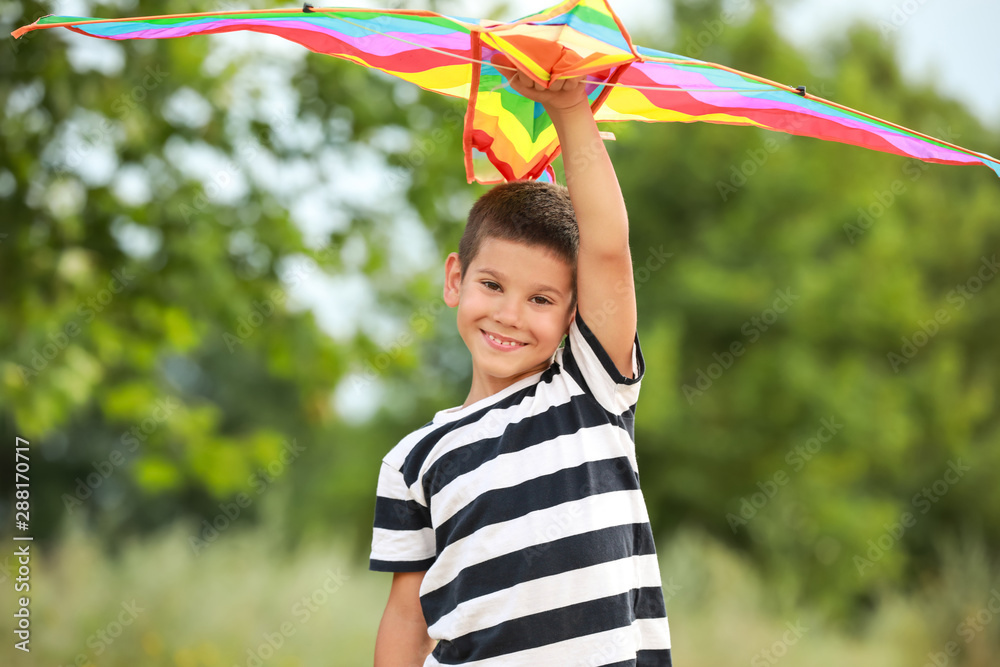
[(215, 252)]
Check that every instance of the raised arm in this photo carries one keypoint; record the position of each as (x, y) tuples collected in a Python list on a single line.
[(605, 288)]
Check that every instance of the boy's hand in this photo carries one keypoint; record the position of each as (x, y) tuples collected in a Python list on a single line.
[(561, 96)]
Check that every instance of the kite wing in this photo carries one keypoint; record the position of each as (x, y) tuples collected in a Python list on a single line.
[(669, 88), (509, 137)]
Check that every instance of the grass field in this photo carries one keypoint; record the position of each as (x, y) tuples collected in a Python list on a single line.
[(245, 602)]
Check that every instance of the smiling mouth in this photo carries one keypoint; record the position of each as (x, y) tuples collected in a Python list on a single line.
[(506, 343)]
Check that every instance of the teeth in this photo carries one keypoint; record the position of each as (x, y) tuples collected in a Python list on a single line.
[(510, 344)]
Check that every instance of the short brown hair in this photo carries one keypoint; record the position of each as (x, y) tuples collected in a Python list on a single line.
[(530, 212)]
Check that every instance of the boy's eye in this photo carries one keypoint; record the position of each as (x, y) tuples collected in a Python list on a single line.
[(493, 287)]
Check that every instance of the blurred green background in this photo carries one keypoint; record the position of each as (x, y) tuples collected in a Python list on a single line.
[(220, 275)]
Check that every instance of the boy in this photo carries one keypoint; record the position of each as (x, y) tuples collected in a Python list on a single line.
[(514, 523)]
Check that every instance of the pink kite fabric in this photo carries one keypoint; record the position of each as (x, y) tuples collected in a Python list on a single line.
[(509, 137)]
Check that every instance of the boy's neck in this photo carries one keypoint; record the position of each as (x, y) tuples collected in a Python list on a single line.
[(484, 386)]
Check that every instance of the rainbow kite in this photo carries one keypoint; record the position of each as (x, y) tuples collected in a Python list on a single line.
[(508, 136)]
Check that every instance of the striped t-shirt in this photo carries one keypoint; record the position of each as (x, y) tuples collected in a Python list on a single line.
[(524, 509)]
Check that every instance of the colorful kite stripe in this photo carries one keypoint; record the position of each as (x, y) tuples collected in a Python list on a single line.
[(509, 137), (668, 88), (370, 39)]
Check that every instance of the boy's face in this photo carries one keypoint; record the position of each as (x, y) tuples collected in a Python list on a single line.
[(514, 292)]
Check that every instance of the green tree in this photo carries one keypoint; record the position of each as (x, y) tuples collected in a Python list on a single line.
[(166, 217)]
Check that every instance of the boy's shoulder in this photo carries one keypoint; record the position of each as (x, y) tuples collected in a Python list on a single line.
[(402, 450)]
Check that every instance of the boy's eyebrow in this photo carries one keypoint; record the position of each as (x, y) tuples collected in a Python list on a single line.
[(538, 287)]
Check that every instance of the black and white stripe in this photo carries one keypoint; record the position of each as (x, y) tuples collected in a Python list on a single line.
[(525, 510)]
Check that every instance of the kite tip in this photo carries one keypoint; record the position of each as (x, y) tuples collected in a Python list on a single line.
[(307, 8), (801, 90), (17, 34)]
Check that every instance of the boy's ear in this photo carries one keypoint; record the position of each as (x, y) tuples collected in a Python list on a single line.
[(569, 319), (452, 280)]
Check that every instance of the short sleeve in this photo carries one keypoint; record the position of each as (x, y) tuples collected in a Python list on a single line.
[(613, 390), (403, 537)]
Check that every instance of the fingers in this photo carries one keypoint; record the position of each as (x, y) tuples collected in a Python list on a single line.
[(566, 84), (519, 80), (514, 76)]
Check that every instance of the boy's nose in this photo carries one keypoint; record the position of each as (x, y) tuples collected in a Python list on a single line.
[(508, 312)]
